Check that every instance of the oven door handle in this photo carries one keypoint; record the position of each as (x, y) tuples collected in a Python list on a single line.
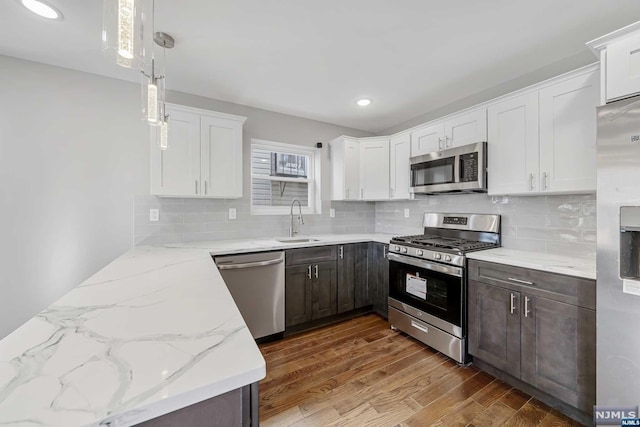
[(446, 269)]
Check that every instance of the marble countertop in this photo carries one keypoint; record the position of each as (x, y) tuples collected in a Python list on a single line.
[(152, 332), (561, 264)]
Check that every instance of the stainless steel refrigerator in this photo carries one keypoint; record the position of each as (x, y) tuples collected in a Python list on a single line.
[(618, 263)]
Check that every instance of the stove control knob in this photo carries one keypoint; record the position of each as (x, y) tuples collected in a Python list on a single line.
[(419, 252), (397, 248), (447, 257), (404, 250), (437, 256)]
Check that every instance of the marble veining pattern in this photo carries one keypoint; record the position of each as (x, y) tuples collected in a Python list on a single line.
[(152, 332)]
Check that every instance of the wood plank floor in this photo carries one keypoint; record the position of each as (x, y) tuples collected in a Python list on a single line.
[(360, 373)]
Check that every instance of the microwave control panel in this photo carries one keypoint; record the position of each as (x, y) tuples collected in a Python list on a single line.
[(469, 167)]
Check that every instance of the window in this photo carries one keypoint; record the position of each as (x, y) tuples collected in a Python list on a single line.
[(281, 173)]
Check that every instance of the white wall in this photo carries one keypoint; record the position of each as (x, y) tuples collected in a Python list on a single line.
[(73, 154)]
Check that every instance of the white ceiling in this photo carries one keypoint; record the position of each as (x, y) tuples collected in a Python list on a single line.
[(315, 58)]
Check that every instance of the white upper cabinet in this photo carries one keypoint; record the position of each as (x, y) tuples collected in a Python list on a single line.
[(360, 168), (374, 169), (467, 128), (204, 155), (568, 134), (540, 140), (176, 171), (427, 139), (619, 54), (544, 141), (344, 153), (221, 161), (463, 129), (513, 145), (399, 168)]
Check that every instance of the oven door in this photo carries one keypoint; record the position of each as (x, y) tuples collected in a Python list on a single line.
[(435, 289)]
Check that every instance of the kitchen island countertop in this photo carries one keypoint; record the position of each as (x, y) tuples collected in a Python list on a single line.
[(154, 331)]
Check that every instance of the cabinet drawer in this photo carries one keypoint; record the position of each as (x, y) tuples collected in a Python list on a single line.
[(310, 255), (567, 289)]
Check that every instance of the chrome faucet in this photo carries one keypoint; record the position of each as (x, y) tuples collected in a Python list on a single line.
[(292, 231)]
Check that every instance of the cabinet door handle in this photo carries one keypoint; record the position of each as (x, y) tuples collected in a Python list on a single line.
[(526, 306), (513, 304), (439, 143), (545, 180), (446, 141), (309, 272), (341, 252), (205, 187), (196, 186), (531, 182), (522, 282), (316, 271), (384, 251)]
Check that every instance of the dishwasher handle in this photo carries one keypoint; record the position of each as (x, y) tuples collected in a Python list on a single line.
[(250, 264)]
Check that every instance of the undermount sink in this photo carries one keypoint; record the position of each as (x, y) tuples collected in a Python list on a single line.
[(296, 240)]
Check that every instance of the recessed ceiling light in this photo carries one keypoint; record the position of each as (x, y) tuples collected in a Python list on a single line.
[(363, 102), (42, 9)]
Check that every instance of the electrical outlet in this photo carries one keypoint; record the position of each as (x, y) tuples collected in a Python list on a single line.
[(332, 213), (232, 213), (154, 215), (406, 213)]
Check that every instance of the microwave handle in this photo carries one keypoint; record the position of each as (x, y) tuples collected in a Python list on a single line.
[(457, 170)]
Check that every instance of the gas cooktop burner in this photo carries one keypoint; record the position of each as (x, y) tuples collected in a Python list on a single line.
[(451, 243)]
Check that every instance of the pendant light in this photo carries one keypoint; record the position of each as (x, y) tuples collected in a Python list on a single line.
[(128, 37), (122, 32), (157, 87)]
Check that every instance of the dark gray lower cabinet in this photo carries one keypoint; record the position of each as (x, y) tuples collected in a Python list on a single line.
[(538, 327), (311, 284), (310, 292), (494, 328), (327, 280), (298, 295), (353, 289), (380, 277), (237, 408), (324, 289), (558, 348)]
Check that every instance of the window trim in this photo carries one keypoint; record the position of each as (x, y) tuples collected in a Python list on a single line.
[(313, 180)]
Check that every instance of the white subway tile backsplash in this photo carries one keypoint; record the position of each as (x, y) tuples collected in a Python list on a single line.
[(559, 223), (186, 220)]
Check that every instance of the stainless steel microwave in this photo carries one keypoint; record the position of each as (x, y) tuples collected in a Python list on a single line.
[(455, 170)]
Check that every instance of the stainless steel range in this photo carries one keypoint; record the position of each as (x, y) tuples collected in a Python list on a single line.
[(428, 278)]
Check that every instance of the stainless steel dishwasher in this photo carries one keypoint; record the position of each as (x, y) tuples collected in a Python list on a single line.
[(256, 282)]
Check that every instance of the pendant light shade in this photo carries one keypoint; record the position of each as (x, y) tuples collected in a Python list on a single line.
[(164, 135), (153, 95), (123, 29)]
